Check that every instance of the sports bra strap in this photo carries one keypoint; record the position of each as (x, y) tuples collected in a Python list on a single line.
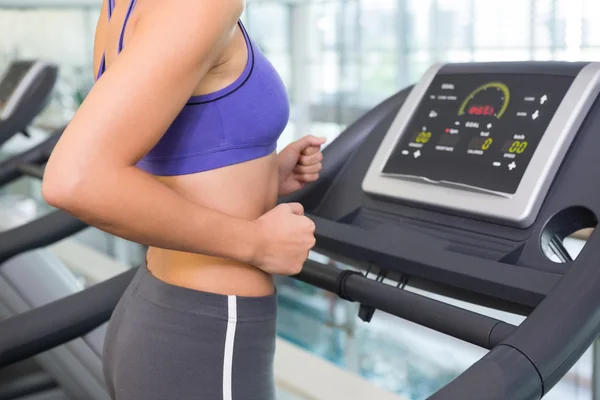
[(111, 7), (244, 32), (129, 12)]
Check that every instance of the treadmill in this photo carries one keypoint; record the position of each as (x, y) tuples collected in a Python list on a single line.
[(25, 90), (35, 278), (464, 185)]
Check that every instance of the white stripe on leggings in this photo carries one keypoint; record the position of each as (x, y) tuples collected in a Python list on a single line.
[(229, 340)]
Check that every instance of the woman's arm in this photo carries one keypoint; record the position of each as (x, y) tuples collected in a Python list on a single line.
[(92, 175)]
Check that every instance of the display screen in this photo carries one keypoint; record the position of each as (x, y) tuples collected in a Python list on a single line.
[(478, 130), (11, 81)]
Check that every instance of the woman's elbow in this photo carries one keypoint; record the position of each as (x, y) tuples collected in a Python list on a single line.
[(61, 190)]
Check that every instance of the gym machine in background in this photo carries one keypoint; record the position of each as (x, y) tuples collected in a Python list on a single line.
[(25, 90)]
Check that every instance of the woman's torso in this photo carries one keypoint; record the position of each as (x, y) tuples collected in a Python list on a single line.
[(245, 189)]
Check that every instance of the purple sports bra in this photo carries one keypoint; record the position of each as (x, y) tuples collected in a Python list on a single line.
[(238, 123)]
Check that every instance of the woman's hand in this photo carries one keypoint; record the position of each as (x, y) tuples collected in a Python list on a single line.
[(284, 237), (299, 164)]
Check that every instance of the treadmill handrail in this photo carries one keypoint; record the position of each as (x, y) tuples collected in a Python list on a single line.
[(38, 233), (10, 169), (42, 231), (547, 343), (564, 325), (28, 334), (416, 258), (32, 170), (551, 339), (44, 328), (469, 326)]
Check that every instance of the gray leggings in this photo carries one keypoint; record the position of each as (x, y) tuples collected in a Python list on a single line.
[(172, 343)]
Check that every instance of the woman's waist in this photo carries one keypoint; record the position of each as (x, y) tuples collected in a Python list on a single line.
[(147, 292), (209, 274)]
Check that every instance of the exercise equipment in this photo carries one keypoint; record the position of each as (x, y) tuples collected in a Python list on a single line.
[(35, 278), (25, 90), (465, 185), (38, 277)]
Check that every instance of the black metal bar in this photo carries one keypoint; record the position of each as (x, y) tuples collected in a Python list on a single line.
[(463, 324), (39, 233), (27, 385), (546, 345), (44, 328), (566, 323), (10, 169), (502, 374), (35, 171), (319, 275)]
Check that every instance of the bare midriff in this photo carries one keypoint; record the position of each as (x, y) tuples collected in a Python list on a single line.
[(246, 190)]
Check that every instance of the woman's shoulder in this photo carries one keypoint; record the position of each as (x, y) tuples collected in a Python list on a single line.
[(189, 10)]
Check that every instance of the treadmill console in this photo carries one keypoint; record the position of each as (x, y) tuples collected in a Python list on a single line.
[(485, 141)]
